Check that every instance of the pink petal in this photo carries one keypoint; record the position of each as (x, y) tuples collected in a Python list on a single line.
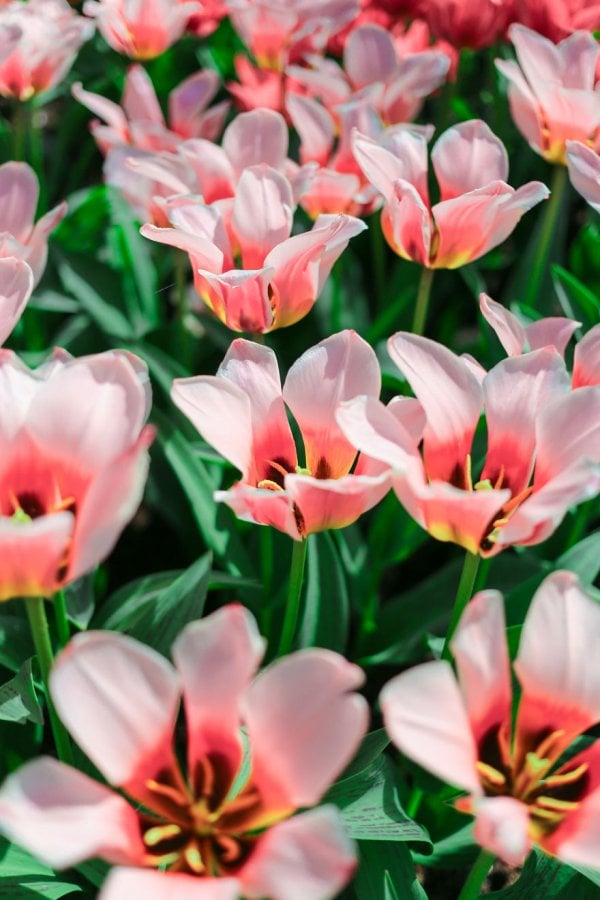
[(38, 242), (139, 97), (254, 138), (330, 192), (307, 856), (380, 432), (217, 658), (334, 502), (303, 262), (451, 397), (554, 331), (407, 225), (509, 330), (575, 839), (483, 666), (369, 56), (239, 298), (584, 172), (264, 507), (568, 431), (425, 716), (124, 884), (468, 156), (586, 363), (18, 197), (418, 76), (515, 392), (559, 688), (127, 735), (404, 156), (16, 285), (101, 106), (215, 174), (263, 211), (476, 222), (315, 127), (525, 109), (32, 555), (304, 723), (189, 99), (502, 827), (337, 369), (63, 817)]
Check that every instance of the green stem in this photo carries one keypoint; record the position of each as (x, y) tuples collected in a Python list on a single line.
[(463, 595), (61, 618), (544, 244), (292, 608), (423, 294), (43, 648), (266, 560), (477, 875), (414, 802), (20, 129), (378, 261)]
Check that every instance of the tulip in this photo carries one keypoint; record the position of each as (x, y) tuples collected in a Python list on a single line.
[(465, 24), (141, 29), (461, 730), (584, 171), (557, 19), (241, 413), (208, 832)]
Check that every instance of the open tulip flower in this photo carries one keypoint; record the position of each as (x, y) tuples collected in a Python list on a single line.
[(241, 413), (551, 90), (477, 208), (282, 276), (141, 29), (20, 237), (466, 24), (543, 453), (74, 464), (520, 788), (45, 36), (220, 830)]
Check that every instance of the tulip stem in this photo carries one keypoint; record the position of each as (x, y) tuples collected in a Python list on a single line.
[(477, 876), (40, 633), (544, 244), (423, 294), (292, 607), (61, 618), (463, 595)]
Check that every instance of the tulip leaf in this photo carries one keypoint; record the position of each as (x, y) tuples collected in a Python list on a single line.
[(28, 888), (386, 872), (78, 276), (544, 876), (583, 559), (326, 616), (370, 806), (577, 301), (15, 641), (156, 608), (16, 862), (18, 702)]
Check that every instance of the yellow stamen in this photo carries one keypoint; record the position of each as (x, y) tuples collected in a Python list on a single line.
[(160, 833), (566, 777), (556, 805), (194, 860), (490, 774)]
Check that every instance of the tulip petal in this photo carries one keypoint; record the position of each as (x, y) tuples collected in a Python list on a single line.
[(124, 884), (304, 723), (334, 502), (189, 99), (264, 507), (369, 56), (339, 368), (584, 172), (315, 127), (63, 817), (568, 431), (239, 298), (309, 855), (586, 362), (262, 213), (425, 716), (33, 554), (19, 191), (507, 327), (468, 156), (126, 734), (16, 285), (139, 97), (502, 827), (254, 138), (216, 659)]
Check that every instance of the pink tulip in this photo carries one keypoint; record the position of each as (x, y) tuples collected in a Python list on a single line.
[(462, 730), (73, 466), (553, 331), (241, 413), (477, 209), (16, 285), (557, 19), (204, 833), (551, 90), (466, 24), (140, 122), (584, 172), (40, 41), (543, 453), (141, 29), (20, 238), (205, 22), (282, 276)]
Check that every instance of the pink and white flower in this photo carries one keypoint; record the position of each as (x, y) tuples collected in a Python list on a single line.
[(20, 237), (543, 453), (281, 276), (241, 412), (551, 90), (74, 463), (141, 29), (477, 208), (584, 171), (208, 833), (461, 729)]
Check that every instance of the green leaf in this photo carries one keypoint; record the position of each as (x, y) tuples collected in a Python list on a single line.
[(386, 870), (545, 878), (15, 862), (326, 616), (28, 888), (577, 301), (18, 702), (80, 599), (15, 641), (583, 559), (156, 617), (370, 807), (372, 746), (77, 276)]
